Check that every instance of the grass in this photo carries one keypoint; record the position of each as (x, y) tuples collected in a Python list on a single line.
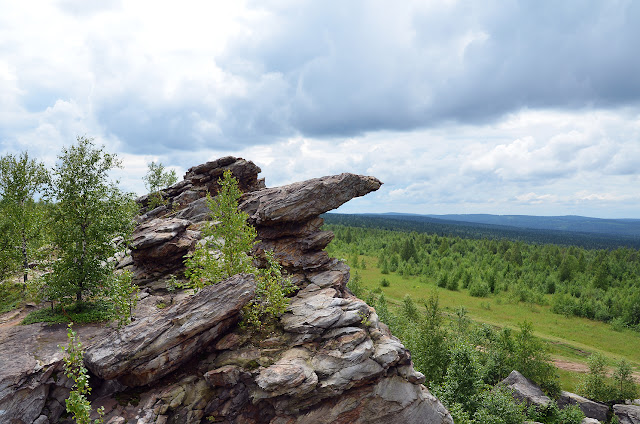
[(82, 313), (571, 338), (11, 296)]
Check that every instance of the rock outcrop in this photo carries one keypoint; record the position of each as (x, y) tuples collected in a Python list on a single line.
[(524, 390), (158, 344), (627, 414), (590, 409), (330, 361)]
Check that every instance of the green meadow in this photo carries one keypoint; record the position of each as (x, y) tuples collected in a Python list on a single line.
[(569, 338)]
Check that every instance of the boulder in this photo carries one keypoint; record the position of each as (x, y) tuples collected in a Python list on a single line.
[(627, 414), (524, 390), (589, 408), (154, 346)]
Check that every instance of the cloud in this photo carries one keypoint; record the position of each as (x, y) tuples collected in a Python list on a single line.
[(451, 104), (354, 67)]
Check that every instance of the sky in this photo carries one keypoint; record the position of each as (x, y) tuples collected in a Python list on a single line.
[(502, 107)]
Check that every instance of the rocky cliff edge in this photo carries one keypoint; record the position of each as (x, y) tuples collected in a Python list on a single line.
[(185, 360)]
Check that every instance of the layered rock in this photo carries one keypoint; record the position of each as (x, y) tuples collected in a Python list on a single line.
[(524, 390), (156, 345), (330, 361), (627, 414), (590, 409)]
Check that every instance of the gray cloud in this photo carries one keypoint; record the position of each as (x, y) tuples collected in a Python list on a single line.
[(351, 67)]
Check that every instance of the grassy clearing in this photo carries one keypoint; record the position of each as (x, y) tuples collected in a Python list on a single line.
[(82, 313), (11, 296), (570, 338)]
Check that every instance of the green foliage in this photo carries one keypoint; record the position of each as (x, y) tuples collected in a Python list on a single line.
[(496, 406), (224, 252), (79, 312), (551, 414), (226, 240), (384, 282), (271, 299), (479, 289), (355, 285), (409, 310), (596, 284), (428, 342), (624, 386), (533, 361), (593, 384), (21, 229), (462, 381), (77, 403), (155, 180), (124, 295), (89, 214), (10, 296)]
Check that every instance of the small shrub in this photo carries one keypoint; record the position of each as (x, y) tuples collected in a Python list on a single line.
[(478, 289), (384, 282), (551, 414), (270, 300), (77, 403), (593, 384), (443, 280), (452, 284), (498, 407), (624, 386), (355, 285)]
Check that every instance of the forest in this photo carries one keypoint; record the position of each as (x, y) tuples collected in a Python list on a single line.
[(472, 309), (599, 284), (623, 234)]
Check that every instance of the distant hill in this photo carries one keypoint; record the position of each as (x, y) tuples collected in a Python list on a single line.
[(627, 227), (593, 233)]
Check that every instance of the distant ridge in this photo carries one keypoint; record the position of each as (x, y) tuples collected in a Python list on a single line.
[(590, 233), (575, 223)]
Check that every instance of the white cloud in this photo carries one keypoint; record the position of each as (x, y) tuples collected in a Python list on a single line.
[(454, 106)]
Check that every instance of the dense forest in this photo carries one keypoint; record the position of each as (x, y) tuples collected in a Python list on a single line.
[(597, 284), (590, 239), (462, 359)]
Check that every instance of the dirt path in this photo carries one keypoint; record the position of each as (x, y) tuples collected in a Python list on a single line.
[(583, 368), (14, 317)]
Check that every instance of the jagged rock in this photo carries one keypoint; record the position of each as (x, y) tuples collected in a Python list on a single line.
[(225, 376), (589, 408), (207, 174), (321, 310), (290, 375), (305, 200), (154, 346), (330, 361), (627, 414), (162, 242), (524, 390), (31, 370), (588, 420), (391, 400)]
